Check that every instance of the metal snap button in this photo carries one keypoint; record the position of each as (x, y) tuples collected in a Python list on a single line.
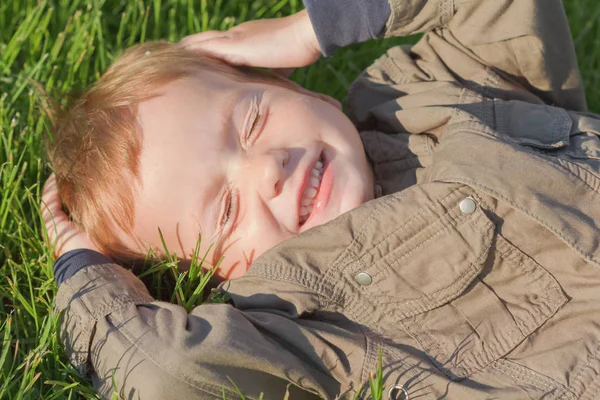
[(397, 392), (467, 206), (363, 279)]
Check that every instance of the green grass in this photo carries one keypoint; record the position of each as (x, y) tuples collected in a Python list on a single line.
[(66, 44)]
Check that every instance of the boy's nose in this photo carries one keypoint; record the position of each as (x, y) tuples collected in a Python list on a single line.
[(272, 173)]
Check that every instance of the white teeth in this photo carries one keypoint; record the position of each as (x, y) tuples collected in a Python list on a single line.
[(310, 192)]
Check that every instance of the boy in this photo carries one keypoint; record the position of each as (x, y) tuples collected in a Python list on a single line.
[(476, 277), (161, 104)]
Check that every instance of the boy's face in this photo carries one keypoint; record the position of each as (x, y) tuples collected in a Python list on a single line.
[(238, 163)]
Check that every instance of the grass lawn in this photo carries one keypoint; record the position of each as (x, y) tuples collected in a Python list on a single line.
[(64, 45)]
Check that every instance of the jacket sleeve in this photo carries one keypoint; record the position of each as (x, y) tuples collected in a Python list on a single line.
[(526, 41), (113, 329), (360, 20)]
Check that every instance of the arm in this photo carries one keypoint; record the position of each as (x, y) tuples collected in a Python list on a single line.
[(526, 41), (296, 40), (359, 20), (112, 327)]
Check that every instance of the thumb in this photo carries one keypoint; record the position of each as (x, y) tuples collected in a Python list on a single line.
[(201, 37)]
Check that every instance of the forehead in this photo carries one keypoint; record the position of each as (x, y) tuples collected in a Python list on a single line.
[(183, 139), (183, 109), (184, 97)]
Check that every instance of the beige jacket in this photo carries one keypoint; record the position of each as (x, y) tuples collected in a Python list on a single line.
[(476, 272)]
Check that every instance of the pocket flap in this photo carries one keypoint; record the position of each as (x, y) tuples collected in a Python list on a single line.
[(535, 125)]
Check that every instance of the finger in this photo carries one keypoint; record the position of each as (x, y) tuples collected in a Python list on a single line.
[(50, 183), (222, 47), (51, 203), (201, 37), (49, 194), (51, 207), (62, 234)]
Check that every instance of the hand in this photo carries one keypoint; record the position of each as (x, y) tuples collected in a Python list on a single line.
[(63, 234), (287, 42)]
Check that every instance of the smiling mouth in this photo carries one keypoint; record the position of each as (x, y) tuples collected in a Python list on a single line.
[(310, 191)]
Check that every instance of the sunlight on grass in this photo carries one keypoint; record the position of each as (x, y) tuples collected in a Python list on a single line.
[(64, 45)]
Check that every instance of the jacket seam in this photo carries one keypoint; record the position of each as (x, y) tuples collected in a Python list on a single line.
[(518, 372)]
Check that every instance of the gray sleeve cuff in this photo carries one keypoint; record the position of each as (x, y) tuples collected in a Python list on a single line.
[(72, 261), (338, 23)]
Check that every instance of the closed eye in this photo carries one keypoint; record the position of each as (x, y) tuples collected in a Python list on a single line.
[(229, 209), (254, 122)]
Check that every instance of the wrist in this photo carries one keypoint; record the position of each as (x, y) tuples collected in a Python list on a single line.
[(338, 23), (79, 241), (74, 261), (306, 33)]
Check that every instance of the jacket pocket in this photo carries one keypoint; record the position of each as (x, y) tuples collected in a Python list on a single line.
[(463, 293), (511, 298)]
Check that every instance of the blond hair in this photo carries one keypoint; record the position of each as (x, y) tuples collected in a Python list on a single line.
[(97, 140)]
